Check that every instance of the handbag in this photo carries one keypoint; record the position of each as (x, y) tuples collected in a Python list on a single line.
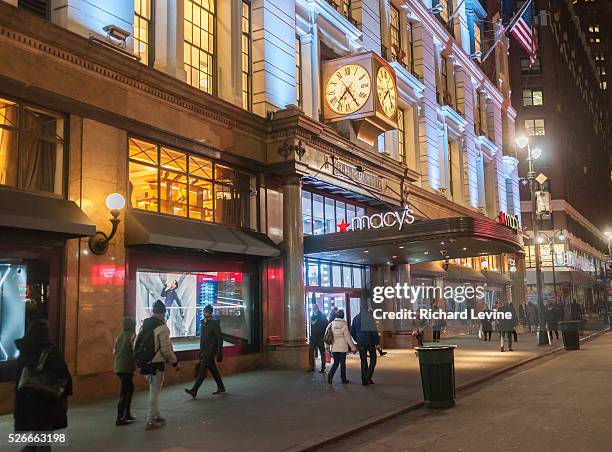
[(328, 338), (40, 383)]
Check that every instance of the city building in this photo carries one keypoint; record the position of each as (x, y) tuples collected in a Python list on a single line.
[(563, 109), (271, 154)]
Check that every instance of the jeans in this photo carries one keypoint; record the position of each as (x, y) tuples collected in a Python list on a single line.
[(367, 370), (339, 360), (125, 396), (508, 335), (156, 381), (316, 343), (208, 363)]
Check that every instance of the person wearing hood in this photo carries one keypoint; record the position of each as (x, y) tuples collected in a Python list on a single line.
[(343, 342), (155, 368), (33, 413), (124, 366)]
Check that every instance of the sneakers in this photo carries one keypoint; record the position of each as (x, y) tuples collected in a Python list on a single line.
[(501, 349), (219, 391), (153, 425), (191, 392), (130, 418)]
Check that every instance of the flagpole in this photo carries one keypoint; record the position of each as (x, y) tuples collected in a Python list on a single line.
[(507, 29)]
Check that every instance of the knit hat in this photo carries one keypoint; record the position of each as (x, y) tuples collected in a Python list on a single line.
[(208, 308), (159, 307)]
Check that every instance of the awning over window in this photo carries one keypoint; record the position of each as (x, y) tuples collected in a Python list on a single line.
[(142, 228), (464, 273), (24, 210), (573, 277), (497, 278), (428, 269)]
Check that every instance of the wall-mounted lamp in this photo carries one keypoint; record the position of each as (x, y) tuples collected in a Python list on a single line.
[(484, 264), (98, 243)]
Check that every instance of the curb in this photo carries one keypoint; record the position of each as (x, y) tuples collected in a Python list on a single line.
[(329, 439)]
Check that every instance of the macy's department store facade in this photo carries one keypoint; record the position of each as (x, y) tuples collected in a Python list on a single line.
[(223, 206)]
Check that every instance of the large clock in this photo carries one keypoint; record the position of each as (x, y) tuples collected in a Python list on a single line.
[(361, 89), (348, 89), (385, 89)]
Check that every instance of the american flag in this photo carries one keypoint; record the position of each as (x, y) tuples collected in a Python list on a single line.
[(522, 29)]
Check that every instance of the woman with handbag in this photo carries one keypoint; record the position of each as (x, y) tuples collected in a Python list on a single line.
[(339, 346), (43, 383)]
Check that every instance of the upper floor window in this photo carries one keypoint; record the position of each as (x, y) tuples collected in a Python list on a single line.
[(32, 148), (342, 6), (395, 36), (298, 71), (533, 97), (41, 8), (246, 56), (401, 136), (536, 67), (478, 117), (322, 214), (199, 44), (169, 181), (535, 127), (477, 39), (142, 30)]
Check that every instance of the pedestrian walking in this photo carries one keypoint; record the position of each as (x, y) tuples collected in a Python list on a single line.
[(33, 411), (343, 343), (152, 351), (486, 325), (552, 321), (318, 325), (333, 313), (437, 326), (523, 314), (211, 349), (532, 316), (365, 335), (379, 330), (124, 366), (576, 312), (507, 325)]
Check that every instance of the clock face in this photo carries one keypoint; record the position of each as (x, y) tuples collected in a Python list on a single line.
[(385, 89), (348, 89)]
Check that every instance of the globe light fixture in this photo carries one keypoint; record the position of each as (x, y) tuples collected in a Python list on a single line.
[(98, 243), (484, 264), (562, 236), (522, 141), (540, 239), (512, 269)]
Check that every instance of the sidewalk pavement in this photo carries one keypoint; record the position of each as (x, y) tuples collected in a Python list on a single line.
[(560, 404), (271, 410)]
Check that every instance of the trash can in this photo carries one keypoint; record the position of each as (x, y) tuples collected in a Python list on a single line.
[(570, 330), (437, 365)]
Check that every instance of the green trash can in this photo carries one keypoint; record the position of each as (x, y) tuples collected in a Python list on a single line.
[(437, 365), (570, 330)]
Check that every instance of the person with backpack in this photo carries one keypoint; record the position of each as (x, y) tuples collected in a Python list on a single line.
[(364, 332), (152, 351), (124, 366), (211, 347), (36, 410), (339, 340)]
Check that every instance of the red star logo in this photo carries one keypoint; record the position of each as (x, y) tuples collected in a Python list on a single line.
[(343, 226)]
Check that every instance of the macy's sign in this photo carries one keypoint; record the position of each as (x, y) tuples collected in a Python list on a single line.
[(511, 221), (387, 219)]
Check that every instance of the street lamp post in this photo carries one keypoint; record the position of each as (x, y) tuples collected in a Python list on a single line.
[(541, 334), (551, 247)]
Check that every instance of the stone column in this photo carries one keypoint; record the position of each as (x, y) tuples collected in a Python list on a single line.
[(293, 263)]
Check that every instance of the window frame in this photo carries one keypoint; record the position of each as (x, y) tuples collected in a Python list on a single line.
[(537, 131), (212, 179), (298, 70), (325, 196), (213, 55), (401, 136), (150, 31), (248, 73), (395, 29), (529, 99), (21, 107)]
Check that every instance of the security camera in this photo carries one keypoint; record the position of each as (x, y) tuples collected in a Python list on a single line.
[(116, 32)]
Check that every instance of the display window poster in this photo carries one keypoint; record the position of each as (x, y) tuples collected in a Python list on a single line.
[(207, 286)]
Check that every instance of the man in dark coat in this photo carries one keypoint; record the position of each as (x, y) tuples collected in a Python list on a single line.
[(575, 310), (318, 325), (211, 348), (366, 336), (552, 321), (507, 325), (31, 412)]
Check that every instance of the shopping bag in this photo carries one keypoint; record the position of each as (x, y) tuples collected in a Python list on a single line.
[(480, 334), (327, 357), (520, 329)]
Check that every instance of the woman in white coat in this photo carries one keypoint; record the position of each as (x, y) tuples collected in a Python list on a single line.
[(343, 342)]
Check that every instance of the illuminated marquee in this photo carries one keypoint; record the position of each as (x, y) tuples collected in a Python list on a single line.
[(511, 221), (380, 220)]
